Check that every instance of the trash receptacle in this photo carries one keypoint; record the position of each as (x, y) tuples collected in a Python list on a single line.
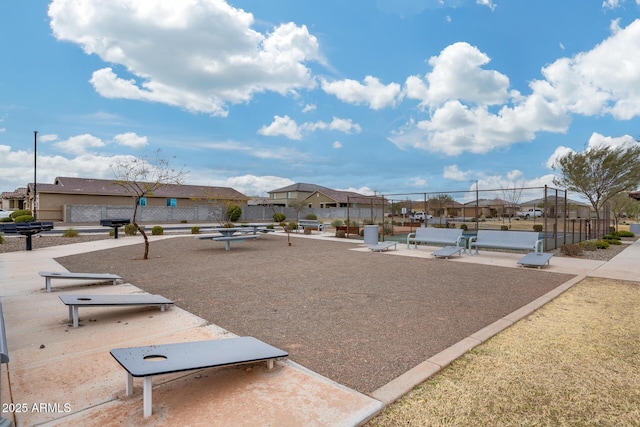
[(370, 235)]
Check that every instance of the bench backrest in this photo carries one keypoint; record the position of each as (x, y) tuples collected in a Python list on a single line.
[(525, 239), (439, 234), (4, 351), (8, 228)]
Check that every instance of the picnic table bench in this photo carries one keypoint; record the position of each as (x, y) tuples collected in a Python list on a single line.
[(438, 236), (152, 360), (103, 277), (27, 229), (228, 237), (76, 301), (115, 223), (533, 259), (312, 224), (511, 240), (4, 358)]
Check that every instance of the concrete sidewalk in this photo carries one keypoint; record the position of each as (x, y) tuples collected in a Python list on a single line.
[(59, 375)]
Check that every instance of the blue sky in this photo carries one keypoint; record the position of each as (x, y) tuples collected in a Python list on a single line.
[(386, 96)]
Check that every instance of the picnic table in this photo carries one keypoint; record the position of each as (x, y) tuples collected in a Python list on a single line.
[(230, 234)]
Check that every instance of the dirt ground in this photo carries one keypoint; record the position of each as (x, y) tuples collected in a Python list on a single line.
[(358, 318)]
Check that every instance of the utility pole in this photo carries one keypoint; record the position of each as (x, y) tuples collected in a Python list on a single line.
[(35, 180)]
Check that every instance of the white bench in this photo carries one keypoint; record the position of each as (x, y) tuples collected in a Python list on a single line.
[(312, 223), (169, 358), (103, 277), (438, 236), (533, 259), (510, 240), (228, 239), (76, 301)]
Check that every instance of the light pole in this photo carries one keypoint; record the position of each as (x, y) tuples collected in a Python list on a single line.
[(477, 219), (35, 181)]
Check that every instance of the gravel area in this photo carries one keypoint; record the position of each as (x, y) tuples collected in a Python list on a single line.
[(358, 318)]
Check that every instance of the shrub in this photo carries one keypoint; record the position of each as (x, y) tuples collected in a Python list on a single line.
[(602, 244), (537, 227), (234, 213), (614, 242), (1, 239), (195, 230), (589, 245), (337, 223), (279, 217), (130, 230), (5, 219), (293, 225), (612, 236), (625, 233), (341, 234), (70, 232), (464, 227), (19, 212), (156, 230), (23, 218), (112, 232), (504, 227), (571, 249), (183, 221), (311, 216), (270, 227), (228, 225), (283, 224)]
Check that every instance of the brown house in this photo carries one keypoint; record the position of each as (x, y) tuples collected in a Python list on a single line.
[(53, 200)]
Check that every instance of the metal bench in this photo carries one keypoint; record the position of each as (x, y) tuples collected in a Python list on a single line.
[(510, 240), (4, 358), (170, 358), (115, 223), (228, 239), (438, 236), (27, 229), (448, 251), (383, 246), (103, 277), (312, 224), (76, 301)]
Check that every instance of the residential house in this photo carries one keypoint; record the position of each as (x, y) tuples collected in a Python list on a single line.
[(293, 194), (55, 201), (14, 200)]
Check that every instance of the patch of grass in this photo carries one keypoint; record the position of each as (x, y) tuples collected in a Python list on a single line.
[(571, 363), (70, 232)]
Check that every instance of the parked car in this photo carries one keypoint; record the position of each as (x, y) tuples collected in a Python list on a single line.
[(420, 216), (5, 214), (531, 213)]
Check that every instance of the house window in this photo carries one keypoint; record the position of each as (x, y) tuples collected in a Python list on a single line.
[(288, 194), (310, 205), (142, 201), (172, 203)]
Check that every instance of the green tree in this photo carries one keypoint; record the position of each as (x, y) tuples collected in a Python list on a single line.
[(139, 178), (599, 173)]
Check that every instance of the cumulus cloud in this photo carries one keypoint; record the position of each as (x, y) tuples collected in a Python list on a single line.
[(285, 126), (454, 172), (199, 55), (595, 140), (130, 139), (489, 3), (372, 92), (47, 137), (79, 144)]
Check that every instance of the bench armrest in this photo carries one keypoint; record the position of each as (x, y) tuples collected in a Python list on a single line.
[(409, 237), (539, 246)]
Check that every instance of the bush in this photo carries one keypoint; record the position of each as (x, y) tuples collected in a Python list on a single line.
[(464, 227), (195, 230), (70, 232), (270, 227), (130, 230), (625, 233), (571, 249), (18, 213), (23, 218), (234, 213), (341, 234), (1, 239), (589, 245), (311, 216), (612, 236), (279, 217), (504, 227), (6, 219), (183, 221), (538, 228), (156, 230), (602, 244), (337, 223), (293, 225)]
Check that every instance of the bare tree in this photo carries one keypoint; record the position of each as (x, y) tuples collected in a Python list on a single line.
[(512, 195), (139, 179)]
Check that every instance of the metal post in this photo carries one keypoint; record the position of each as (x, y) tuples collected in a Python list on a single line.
[(35, 181)]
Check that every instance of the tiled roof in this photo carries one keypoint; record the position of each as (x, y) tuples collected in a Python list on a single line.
[(67, 185), (301, 186), (18, 193)]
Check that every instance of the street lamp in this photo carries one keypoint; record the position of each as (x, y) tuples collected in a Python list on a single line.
[(35, 181)]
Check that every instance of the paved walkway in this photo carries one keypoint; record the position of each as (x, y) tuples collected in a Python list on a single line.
[(58, 375)]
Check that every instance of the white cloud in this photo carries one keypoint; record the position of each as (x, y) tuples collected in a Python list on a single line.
[(308, 107), (611, 4), (560, 151), (252, 185), (597, 140), (130, 139), (199, 55), (418, 182), (372, 93), (47, 137), (336, 145), (366, 191), (453, 172), (285, 126), (79, 144), (489, 3)]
